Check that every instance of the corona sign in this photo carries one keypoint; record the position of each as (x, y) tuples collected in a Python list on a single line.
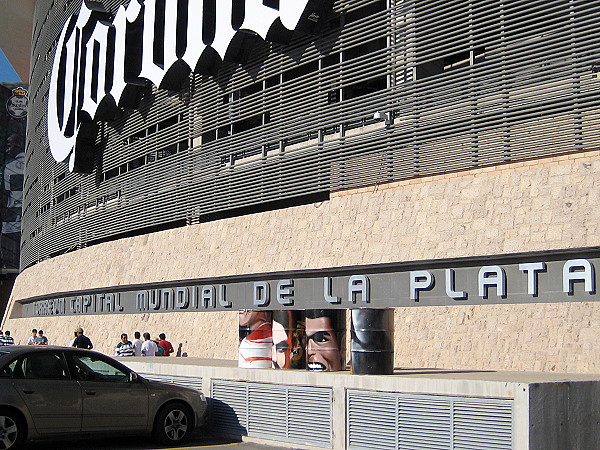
[(101, 60)]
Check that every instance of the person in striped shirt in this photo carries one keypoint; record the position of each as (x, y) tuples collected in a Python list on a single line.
[(125, 347), (7, 339)]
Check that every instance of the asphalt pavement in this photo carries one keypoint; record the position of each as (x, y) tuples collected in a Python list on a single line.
[(199, 440)]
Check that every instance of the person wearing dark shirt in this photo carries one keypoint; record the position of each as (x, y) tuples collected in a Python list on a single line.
[(82, 341)]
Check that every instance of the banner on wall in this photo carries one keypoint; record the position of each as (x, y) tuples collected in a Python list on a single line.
[(112, 56), (13, 120)]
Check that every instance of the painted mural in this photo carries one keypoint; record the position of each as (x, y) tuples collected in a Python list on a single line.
[(256, 340), (289, 340)]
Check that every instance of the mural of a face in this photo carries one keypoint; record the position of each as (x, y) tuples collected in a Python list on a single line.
[(322, 347), (288, 334), (251, 318), (280, 346)]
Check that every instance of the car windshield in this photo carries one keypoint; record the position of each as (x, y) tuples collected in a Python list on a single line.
[(3, 353)]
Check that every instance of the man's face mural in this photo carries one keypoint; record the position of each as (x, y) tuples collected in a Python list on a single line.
[(288, 340), (323, 352)]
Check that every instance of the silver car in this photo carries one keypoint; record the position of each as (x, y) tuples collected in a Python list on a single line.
[(50, 391)]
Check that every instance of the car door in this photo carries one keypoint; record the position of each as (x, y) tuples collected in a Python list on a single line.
[(53, 399), (110, 400)]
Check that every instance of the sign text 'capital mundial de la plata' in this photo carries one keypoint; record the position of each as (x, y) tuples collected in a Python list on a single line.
[(526, 282)]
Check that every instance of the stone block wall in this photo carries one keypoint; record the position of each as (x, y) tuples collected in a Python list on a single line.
[(540, 205)]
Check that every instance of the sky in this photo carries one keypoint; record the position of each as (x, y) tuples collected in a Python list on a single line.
[(7, 73)]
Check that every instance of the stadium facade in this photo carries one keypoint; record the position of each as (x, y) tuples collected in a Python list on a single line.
[(436, 158)]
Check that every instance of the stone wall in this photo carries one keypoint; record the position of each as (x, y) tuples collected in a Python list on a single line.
[(547, 204)]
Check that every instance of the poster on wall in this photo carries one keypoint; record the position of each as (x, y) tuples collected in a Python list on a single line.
[(13, 122)]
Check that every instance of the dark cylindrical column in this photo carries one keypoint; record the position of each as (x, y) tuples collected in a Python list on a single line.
[(372, 332), (325, 339), (288, 340), (255, 339)]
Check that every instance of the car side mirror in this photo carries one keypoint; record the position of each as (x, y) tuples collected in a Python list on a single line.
[(133, 377)]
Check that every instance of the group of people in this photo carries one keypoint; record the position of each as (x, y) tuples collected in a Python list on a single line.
[(6, 339), (79, 339), (146, 347), (37, 338)]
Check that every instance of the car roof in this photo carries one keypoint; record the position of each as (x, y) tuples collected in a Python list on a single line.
[(16, 350)]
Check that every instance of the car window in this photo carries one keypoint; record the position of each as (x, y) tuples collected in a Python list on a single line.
[(93, 368), (8, 370), (41, 366)]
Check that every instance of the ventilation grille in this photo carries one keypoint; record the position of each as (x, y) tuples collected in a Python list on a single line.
[(394, 421), (294, 414)]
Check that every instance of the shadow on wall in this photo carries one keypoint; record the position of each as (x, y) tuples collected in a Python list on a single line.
[(223, 419), (179, 352)]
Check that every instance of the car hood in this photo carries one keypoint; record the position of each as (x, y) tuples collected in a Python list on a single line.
[(169, 387)]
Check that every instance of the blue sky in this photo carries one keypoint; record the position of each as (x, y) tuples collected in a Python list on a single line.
[(7, 73)]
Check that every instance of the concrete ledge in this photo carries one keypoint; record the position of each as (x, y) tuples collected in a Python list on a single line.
[(550, 411)]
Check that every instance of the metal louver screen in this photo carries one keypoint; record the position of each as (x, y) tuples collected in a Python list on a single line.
[(409, 422), (482, 425), (229, 407), (463, 84), (294, 414)]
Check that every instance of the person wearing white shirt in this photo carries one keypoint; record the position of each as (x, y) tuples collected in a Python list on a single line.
[(137, 344), (72, 341), (31, 340), (149, 347)]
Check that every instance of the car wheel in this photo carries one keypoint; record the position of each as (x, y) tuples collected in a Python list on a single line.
[(173, 424), (12, 430)]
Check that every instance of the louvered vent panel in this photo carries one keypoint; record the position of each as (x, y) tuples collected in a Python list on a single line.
[(309, 415), (485, 426), (372, 421), (378, 420), (267, 410), (294, 414), (424, 423), (229, 407)]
